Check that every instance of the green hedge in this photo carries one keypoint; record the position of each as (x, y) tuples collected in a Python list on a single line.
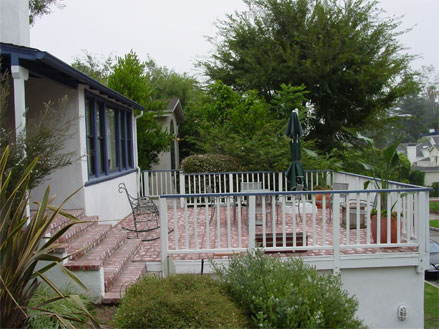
[(435, 192), (201, 163), (278, 293), (179, 301)]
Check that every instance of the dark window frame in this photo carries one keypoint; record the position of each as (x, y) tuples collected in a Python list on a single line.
[(98, 152)]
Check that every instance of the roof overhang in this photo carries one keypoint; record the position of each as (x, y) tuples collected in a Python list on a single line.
[(42, 64)]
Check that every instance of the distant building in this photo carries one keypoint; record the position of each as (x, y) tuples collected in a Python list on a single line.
[(424, 156)]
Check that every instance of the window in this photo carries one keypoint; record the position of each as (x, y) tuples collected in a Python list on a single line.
[(109, 137)]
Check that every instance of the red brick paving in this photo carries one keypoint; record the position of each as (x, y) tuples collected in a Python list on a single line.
[(150, 251)]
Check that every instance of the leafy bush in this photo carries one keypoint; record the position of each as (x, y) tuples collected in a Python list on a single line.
[(288, 294), (180, 301), (66, 308), (209, 163), (435, 192)]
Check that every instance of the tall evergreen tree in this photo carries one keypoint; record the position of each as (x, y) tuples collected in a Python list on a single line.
[(345, 54)]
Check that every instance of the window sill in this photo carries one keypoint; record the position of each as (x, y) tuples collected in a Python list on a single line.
[(108, 177)]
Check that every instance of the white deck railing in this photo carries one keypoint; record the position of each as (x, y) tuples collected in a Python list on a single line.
[(195, 229), (159, 182)]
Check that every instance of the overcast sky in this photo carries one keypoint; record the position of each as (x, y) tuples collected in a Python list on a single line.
[(173, 32)]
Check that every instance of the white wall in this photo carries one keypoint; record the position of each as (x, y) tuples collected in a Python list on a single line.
[(14, 22), (105, 201), (64, 181), (381, 290)]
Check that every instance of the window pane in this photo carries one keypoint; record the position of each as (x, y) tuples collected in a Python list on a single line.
[(111, 139), (123, 138), (101, 131), (90, 137)]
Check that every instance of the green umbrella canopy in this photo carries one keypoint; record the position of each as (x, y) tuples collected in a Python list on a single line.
[(294, 128), (295, 172)]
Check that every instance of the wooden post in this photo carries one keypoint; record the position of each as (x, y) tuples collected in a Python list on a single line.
[(251, 222), (164, 236), (182, 188), (336, 232)]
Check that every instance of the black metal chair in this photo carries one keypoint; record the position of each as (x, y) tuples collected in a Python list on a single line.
[(141, 207)]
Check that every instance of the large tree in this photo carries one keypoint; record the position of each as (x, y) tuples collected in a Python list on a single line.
[(346, 55), (130, 77), (41, 7)]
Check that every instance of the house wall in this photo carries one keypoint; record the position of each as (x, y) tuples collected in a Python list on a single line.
[(431, 177), (105, 201), (63, 182), (164, 162), (381, 290), (14, 22)]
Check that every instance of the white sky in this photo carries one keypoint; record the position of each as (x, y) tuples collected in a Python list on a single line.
[(173, 32)]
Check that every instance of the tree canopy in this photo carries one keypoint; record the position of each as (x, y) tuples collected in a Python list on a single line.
[(346, 55)]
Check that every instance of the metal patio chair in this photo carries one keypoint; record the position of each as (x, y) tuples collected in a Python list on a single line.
[(141, 207)]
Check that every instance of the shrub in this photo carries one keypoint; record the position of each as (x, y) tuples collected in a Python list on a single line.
[(435, 192), (279, 293), (210, 163), (65, 307), (179, 301)]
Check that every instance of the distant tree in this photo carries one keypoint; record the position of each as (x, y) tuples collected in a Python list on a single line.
[(41, 7), (348, 58), (130, 77), (96, 68)]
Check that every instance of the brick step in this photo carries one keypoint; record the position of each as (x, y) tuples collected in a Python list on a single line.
[(60, 220), (95, 258), (87, 240), (133, 272), (114, 266), (77, 228)]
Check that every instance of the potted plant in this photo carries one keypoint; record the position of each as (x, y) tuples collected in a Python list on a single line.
[(382, 168), (319, 197)]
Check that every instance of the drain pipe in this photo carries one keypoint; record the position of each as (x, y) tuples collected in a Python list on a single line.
[(139, 173)]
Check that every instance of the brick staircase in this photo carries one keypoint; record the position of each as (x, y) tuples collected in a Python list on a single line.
[(95, 247)]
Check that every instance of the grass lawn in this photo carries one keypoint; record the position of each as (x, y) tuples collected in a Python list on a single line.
[(434, 206), (431, 306), (434, 223)]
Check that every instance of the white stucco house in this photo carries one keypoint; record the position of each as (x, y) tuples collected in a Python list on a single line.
[(170, 120), (424, 156), (103, 124)]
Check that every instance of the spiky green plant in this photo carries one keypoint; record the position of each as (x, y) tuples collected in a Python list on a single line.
[(23, 244)]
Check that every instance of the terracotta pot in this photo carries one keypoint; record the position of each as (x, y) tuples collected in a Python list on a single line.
[(383, 233), (319, 200)]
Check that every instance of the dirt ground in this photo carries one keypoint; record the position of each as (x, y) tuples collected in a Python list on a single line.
[(104, 315)]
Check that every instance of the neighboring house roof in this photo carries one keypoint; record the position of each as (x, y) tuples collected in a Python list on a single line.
[(174, 106), (42, 64)]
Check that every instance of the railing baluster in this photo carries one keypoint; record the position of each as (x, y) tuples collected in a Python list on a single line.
[(174, 203), (239, 222), (378, 218), (228, 223), (358, 217), (195, 218), (284, 222), (208, 222), (186, 225), (313, 216), (218, 221), (389, 216), (293, 211), (324, 220), (368, 211), (398, 218)]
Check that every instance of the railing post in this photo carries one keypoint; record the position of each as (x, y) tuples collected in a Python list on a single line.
[(182, 188), (336, 232), (230, 183), (252, 222), (164, 236), (146, 183), (280, 181), (423, 230)]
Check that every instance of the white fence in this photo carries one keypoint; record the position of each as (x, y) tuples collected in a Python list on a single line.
[(291, 222), (159, 182)]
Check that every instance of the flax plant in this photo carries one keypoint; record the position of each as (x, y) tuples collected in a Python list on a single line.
[(23, 244)]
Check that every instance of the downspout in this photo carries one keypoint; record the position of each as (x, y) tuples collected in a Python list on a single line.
[(139, 173)]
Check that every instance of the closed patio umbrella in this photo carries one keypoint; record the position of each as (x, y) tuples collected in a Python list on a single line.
[(295, 172)]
